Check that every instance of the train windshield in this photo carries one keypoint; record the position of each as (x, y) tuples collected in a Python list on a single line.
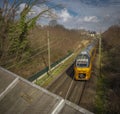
[(82, 61)]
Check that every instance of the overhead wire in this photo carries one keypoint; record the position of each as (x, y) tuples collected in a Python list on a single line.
[(39, 48), (32, 56)]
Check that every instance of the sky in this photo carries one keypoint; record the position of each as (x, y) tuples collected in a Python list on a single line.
[(94, 15)]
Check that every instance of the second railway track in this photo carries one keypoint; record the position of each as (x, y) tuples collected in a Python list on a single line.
[(67, 87), (77, 92)]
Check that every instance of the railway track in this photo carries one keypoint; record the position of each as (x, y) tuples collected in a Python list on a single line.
[(81, 93), (76, 92), (67, 87), (61, 85)]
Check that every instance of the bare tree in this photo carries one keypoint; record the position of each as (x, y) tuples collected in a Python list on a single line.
[(14, 32)]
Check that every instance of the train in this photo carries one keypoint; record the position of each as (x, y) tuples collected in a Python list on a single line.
[(84, 61)]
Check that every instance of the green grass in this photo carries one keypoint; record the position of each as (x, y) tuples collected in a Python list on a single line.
[(48, 78), (100, 101)]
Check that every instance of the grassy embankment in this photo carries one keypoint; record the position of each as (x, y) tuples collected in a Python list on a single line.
[(48, 78), (108, 88)]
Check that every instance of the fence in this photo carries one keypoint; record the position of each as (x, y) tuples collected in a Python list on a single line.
[(40, 73)]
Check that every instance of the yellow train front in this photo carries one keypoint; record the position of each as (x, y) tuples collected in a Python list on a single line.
[(83, 62)]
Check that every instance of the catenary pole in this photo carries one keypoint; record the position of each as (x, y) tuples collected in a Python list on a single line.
[(49, 66), (100, 54)]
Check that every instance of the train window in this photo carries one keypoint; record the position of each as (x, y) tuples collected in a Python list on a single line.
[(82, 65), (82, 56), (83, 61)]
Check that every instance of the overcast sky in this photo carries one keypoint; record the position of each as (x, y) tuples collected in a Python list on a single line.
[(89, 14), (85, 14)]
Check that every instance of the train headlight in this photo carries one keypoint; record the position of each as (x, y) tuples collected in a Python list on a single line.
[(81, 75)]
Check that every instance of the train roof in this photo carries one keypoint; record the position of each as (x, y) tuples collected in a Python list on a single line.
[(84, 52), (87, 50)]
